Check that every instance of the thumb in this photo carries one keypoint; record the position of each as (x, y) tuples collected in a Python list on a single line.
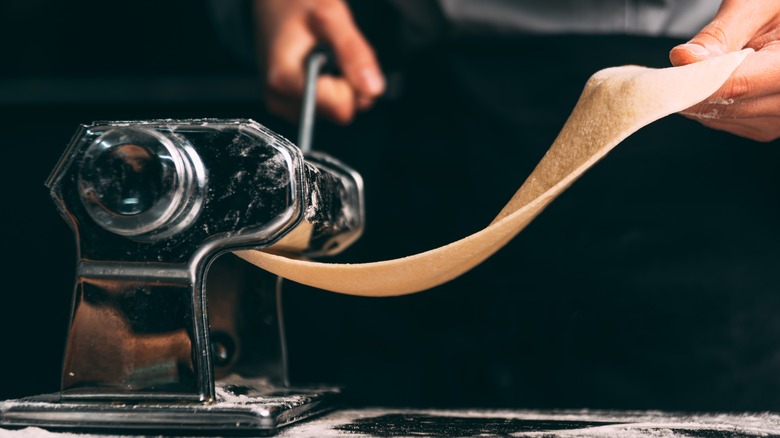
[(735, 24)]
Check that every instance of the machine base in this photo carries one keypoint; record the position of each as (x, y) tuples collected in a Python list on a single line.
[(238, 410)]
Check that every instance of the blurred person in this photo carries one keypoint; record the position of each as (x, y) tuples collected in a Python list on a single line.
[(649, 284)]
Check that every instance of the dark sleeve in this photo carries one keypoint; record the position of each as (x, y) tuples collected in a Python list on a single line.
[(234, 25)]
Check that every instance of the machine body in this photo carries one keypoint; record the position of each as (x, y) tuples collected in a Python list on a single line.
[(168, 330)]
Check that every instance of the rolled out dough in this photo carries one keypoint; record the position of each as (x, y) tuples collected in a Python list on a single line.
[(615, 103)]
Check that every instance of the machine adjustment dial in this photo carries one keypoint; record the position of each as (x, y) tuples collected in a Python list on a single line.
[(140, 183)]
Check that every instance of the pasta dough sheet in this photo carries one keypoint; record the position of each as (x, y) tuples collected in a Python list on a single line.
[(615, 103)]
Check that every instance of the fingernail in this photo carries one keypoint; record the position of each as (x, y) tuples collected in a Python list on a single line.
[(696, 49), (375, 83)]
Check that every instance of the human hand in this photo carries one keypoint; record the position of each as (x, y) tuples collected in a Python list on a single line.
[(748, 104), (288, 30)]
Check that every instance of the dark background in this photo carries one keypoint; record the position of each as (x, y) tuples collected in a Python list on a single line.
[(651, 284)]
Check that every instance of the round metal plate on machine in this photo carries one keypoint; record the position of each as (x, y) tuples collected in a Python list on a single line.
[(139, 183)]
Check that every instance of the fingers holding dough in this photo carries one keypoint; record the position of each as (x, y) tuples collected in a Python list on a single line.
[(615, 103)]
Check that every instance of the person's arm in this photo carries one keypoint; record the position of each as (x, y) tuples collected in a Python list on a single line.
[(749, 103), (287, 30)]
